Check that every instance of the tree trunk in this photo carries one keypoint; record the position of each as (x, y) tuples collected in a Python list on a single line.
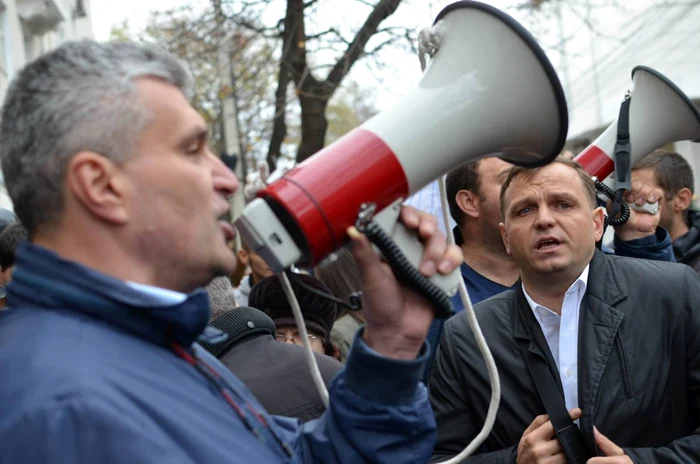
[(279, 127), (313, 126)]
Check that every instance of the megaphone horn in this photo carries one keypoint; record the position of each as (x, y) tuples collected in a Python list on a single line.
[(659, 114), (489, 90)]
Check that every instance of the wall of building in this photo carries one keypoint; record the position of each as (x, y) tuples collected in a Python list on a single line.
[(21, 42)]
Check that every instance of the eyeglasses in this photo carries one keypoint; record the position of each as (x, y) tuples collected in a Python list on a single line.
[(296, 338)]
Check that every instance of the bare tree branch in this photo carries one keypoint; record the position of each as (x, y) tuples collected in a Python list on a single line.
[(382, 10)]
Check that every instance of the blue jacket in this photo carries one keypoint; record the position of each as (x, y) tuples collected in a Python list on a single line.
[(88, 375)]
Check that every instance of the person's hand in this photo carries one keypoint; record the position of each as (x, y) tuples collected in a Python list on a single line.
[(396, 318), (539, 443), (613, 453), (256, 180), (640, 224)]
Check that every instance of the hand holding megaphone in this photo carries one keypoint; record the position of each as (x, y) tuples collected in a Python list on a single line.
[(645, 212)]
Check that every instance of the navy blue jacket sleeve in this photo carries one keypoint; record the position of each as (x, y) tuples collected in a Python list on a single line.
[(379, 412), (657, 247)]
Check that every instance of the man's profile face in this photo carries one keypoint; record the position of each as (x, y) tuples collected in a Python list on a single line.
[(492, 174), (550, 225), (178, 191)]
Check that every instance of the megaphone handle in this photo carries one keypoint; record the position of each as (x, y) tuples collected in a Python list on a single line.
[(403, 251)]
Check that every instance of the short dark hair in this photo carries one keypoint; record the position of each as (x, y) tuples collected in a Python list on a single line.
[(9, 239), (671, 170), (529, 173), (465, 177)]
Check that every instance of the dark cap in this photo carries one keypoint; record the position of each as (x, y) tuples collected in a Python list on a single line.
[(319, 312)]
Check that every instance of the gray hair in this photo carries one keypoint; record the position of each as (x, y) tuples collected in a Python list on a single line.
[(221, 296), (79, 97)]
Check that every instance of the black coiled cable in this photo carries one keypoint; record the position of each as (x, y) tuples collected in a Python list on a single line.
[(354, 302), (406, 273), (619, 205)]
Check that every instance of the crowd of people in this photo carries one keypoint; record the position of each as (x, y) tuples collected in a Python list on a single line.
[(132, 333)]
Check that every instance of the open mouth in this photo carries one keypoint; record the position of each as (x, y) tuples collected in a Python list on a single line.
[(228, 229), (548, 243)]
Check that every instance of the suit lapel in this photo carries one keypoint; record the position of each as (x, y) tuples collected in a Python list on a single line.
[(599, 323), (526, 329)]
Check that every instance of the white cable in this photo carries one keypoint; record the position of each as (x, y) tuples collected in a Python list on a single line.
[(301, 326), (481, 343)]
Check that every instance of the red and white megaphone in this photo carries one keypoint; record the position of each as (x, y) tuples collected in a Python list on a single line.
[(489, 91), (659, 114)]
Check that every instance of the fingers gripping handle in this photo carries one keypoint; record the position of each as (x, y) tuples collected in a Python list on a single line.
[(404, 251), (648, 208)]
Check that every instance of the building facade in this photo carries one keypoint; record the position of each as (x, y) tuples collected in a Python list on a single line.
[(29, 28)]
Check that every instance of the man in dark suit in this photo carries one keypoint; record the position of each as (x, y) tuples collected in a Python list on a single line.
[(619, 339)]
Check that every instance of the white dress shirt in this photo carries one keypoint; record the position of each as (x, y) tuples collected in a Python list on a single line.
[(561, 334)]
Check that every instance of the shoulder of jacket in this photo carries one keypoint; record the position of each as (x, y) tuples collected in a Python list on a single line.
[(492, 310)]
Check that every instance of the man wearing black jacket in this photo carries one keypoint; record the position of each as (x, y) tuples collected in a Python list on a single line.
[(619, 337)]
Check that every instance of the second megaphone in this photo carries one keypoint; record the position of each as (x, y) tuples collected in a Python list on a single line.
[(659, 114), (489, 91)]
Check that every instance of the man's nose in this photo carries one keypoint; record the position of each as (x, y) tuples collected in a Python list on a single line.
[(225, 180), (544, 218)]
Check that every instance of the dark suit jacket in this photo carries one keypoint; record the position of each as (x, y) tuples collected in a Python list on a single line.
[(638, 369)]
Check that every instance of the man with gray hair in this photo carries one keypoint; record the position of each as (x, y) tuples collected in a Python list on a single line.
[(109, 170)]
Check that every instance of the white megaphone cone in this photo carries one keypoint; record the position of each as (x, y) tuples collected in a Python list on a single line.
[(660, 113), (489, 91)]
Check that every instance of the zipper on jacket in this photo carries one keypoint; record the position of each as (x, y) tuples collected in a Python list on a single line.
[(623, 365)]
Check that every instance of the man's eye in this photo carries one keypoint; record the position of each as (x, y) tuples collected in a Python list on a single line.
[(524, 211), (564, 205)]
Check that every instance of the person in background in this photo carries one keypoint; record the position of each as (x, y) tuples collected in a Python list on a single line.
[(276, 373), (221, 296), (343, 279), (428, 199), (671, 173), (258, 271), (10, 237), (319, 312), (109, 168)]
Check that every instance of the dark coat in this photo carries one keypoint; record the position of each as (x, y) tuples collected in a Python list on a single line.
[(639, 366), (276, 373), (686, 248), (279, 377)]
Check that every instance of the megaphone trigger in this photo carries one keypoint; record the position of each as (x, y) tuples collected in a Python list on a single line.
[(402, 250)]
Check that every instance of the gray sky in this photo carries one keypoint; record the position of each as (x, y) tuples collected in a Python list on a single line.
[(595, 68)]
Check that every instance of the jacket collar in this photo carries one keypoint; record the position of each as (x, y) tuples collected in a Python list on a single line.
[(43, 279), (602, 284)]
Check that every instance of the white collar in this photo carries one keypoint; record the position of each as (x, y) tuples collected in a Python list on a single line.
[(163, 295), (581, 282)]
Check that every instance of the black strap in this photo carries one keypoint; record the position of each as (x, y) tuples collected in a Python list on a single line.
[(567, 432)]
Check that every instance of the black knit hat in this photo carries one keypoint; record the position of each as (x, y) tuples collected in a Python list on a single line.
[(237, 324), (319, 312)]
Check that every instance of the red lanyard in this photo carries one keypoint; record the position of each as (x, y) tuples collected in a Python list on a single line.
[(214, 377)]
